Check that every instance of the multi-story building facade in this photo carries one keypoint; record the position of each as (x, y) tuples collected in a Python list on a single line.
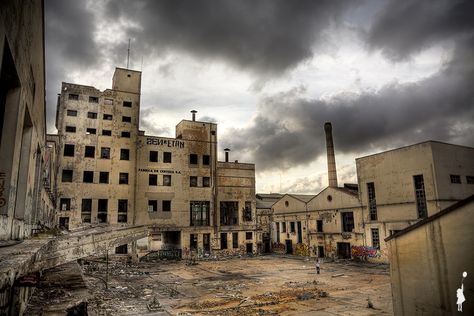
[(403, 186), (112, 173)]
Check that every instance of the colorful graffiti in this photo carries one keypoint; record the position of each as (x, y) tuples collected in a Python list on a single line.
[(302, 250), (365, 251), (278, 248)]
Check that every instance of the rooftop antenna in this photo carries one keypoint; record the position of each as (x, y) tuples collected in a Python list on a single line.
[(128, 53)]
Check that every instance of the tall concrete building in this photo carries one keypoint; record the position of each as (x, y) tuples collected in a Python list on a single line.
[(111, 173)]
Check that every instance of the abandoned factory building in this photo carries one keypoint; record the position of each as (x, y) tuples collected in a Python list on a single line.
[(111, 173)]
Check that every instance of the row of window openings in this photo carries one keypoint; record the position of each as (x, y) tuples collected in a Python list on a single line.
[(457, 179), (193, 158), (102, 209), (347, 224), (93, 131), (235, 239), (92, 99), (88, 177), (229, 213), (93, 115), (89, 152)]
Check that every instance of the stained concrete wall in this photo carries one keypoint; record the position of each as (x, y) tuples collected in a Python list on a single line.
[(426, 265)]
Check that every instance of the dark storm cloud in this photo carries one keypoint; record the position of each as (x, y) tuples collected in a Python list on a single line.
[(265, 37)]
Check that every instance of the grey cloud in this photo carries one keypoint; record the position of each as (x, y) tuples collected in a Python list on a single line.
[(147, 124)]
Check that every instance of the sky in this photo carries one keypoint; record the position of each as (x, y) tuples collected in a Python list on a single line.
[(386, 74)]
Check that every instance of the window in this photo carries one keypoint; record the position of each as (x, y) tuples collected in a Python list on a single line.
[(223, 240), (103, 177), (470, 179), (319, 225), (283, 227), (166, 206), (152, 206), (248, 211), (106, 132), (127, 104), (347, 221), (152, 179), (229, 213), (193, 181), (124, 154), (93, 99), (193, 241), (91, 131), (102, 210), (69, 150), (86, 210), (420, 196), (105, 152), (108, 101), (206, 182), (125, 134), (73, 96), (70, 129), (199, 213), (205, 160), (248, 235), (67, 176), (371, 201), (91, 115), (455, 178), (292, 227), (235, 240), (88, 177), (122, 211), (167, 157), (89, 152), (167, 180), (107, 117), (123, 178), (71, 113), (153, 156), (126, 119), (193, 159), (65, 204), (121, 250), (375, 238)]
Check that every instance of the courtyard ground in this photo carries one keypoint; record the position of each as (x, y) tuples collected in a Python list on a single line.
[(265, 285)]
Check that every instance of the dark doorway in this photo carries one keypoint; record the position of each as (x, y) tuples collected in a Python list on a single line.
[(266, 244), (344, 250), (249, 248), (321, 251), (171, 240), (206, 243), (300, 234), (289, 246), (64, 222)]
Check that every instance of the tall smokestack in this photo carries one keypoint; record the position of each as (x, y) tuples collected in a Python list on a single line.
[(332, 175), (194, 114), (227, 154)]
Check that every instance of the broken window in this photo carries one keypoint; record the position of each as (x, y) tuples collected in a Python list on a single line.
[(91, 115), (121, 250), (122, 211), (292, 227), (105, 152), (319, 226), (91, 131), (70, 129), (420, 196), (167, 180), (223, 240), (455, 178), (127, 104), (86, 210), (375, 238), (235, 240), (152, 206), (193, 181), (124, 154), (347, 221), (199, 213), (89, 152), (206, 182), (108, 102), (283, 227), (107, 117), (123, 178), (166, 206), (193, 241), (106, 132), (153, 156), (126, 119), (205, 160), (193, 159), (470, 179), (229, 213), (125, 134), (371, 201), (73, 96), (103, 177), (152, 179), (102, 210), (88, 177), (65, 204), (167, 157), (67, 175), (248, 235), (248, 211), (93, 99), (69, 150), (71, 113)]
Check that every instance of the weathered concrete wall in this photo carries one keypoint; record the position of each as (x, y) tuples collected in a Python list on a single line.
[(426, 265)]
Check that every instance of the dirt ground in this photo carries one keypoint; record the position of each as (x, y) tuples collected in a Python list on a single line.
[(267, 285)]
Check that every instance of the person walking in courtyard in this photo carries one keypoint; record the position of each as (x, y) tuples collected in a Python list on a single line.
[(317, 266)]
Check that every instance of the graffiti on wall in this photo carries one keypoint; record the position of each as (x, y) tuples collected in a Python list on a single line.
[(2, 188), (278, 247), (365, 251), (302, 250)]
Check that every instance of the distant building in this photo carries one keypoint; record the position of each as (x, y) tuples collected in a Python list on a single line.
[(427, 262), (265, 202), (26, 192), (400, 187), (111, 173)]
